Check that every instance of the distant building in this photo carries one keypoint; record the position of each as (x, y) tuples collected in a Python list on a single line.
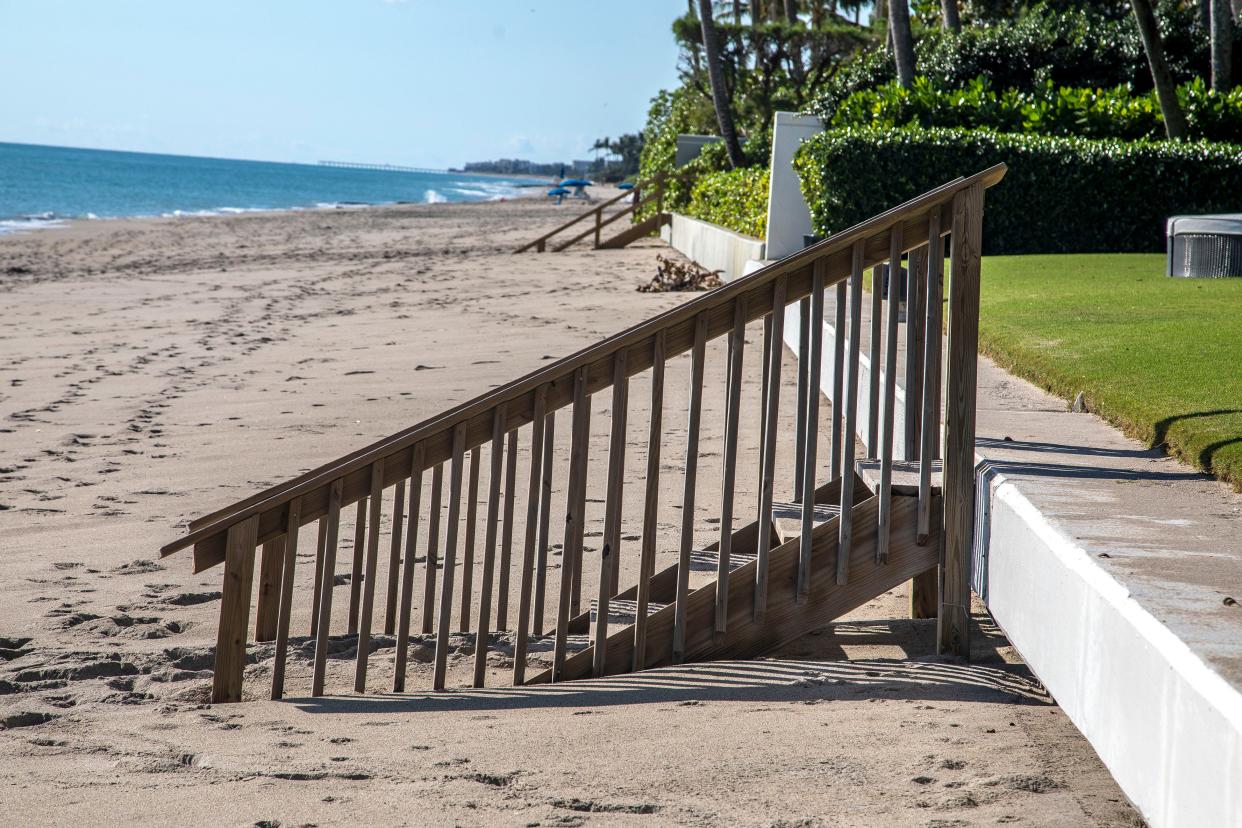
[(514, 166)]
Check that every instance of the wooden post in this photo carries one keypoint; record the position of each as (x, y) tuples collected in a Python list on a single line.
[(355, 575), (737, 345), (450, 557), (599, 217), (394, 557), (804, 356), (835, 449), (916, 309), (267, 610), (532, 519), (651, 504), (545, 509), (693, 417), (925, 588), (333, 532), (959, 456), (321, 541), (293, 523), (573, 516), (885, 506), (467, 557), (809, 461), (407, 574), (368, 592), (482, 629), (874, 355), (506, 533), (433, 548), (767, 471), (610, 548), (849, 428), (226, 682)]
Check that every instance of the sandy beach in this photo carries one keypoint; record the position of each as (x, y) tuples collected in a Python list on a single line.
[(152, 371)]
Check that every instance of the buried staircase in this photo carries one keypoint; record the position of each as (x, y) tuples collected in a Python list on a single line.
[(854, 529), (643, 194)]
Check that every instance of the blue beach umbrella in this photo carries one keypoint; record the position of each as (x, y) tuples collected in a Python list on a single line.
[(558, 191), (625, 185), (576, 182)]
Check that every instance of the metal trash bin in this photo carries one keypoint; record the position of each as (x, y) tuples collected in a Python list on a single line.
[(1204, 247)]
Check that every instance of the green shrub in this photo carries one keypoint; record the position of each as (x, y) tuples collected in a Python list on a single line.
[(736, 199), (1045, 45), (1061, 195), (671, 114), (1047, 110)]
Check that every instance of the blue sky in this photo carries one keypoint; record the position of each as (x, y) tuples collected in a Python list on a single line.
[(421, 82)]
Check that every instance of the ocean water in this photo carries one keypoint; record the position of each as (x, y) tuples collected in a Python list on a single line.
[(43, 186)]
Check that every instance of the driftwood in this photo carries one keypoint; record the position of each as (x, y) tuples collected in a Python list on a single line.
[(680, 275)]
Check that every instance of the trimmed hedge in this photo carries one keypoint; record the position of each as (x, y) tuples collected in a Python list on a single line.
[(736, 199), (1061, 195), (1046, 110)]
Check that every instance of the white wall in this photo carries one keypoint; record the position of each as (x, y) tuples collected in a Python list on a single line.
[(711, 245), (788, 216)]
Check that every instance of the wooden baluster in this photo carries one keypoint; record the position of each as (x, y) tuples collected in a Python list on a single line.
[(467, 560), (873, 355), (267, 609), (226, 681), (368, 593), (766, 363), (651, 504), (325, 595), (959, 455), (532, 520), (599, 217), (836, 447), (293, 524), (770, 426), (693, 418), (931, 385), (545, 509), (355, 576), (450, 557), (321, 542), (737, 344), (610, 548), (433, 549), (482, 629), (407, 575), (850, 426), (885, 510), (809, 462), (394, 557), (916, 310), (804, 357), (573, 515), (506, 534)]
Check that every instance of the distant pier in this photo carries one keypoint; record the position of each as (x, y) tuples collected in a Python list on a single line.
[(382, 167)]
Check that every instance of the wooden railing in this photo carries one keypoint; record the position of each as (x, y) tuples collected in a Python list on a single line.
[(494, 423), (642, 193)]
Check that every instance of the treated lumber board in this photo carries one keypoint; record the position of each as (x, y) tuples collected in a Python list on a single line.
[(483, 627), (407, 573), (355, 577), (376, 501), (467, 561), (930, 403), (804, 358), (440, 667), (837, 435), (614, 496), (885, 492), (810, 447), (506, 533), (545, 511), (638, 230), (771, 414), (394, 557), (904, 478), (874, 354), (286, 599), (321, 541), (572, 546), (206, 533), (433, 549), (528, 548), (226, 680), (787, 618), (333, 531), (691, 465), (267, 605), (733, 416), (953, 627), (651, 502), (849, 426), (916, 311)]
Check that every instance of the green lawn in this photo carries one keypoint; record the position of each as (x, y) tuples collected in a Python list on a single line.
[(1160, 358)]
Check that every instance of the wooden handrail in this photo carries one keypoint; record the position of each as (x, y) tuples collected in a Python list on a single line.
[(518, 395), (272, 519)]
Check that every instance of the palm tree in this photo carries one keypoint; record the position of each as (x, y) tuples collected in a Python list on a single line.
[(720, 96), (950, 17), (791, 11), (1166, 91), (902, 41), (1222, 46)]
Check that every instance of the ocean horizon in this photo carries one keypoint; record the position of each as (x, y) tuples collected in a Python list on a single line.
[(45, 186)]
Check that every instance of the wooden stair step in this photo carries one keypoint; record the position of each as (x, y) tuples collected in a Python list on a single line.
[(787, 518), (905, 479)]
